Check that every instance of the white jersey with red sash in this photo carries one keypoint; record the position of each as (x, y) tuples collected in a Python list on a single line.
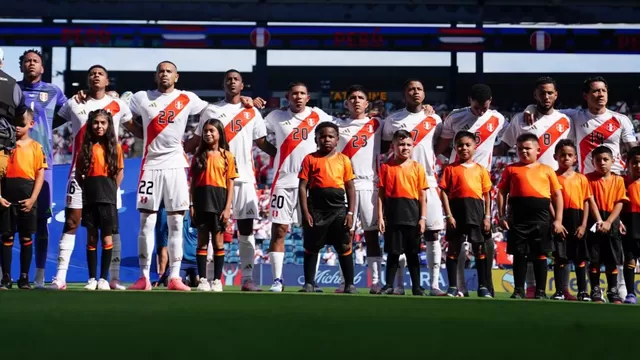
[(549, 129), (360, 141), (295, 138)]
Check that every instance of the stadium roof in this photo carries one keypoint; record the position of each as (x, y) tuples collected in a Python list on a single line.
[(359, 11)]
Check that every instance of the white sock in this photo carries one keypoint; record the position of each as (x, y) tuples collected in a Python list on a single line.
[(247, 249), (146, 238), (402, 264), (434, 257), (114, 267), (622, 288), (318, 266), (67, 243), (39, 275), (461, 284), (175, 223), (531, 277), (374, 266), (277, 259), (210, 267)]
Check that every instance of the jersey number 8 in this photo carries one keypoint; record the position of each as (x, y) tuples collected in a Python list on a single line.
[(166, 117), (145, 187)]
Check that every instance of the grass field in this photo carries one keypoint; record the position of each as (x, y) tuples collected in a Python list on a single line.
[(163, 325)]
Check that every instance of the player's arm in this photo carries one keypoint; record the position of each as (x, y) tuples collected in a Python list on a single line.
[(582, 229), (134, 127), (27, 204), (266, 146), (503, 192), (351, 203), (422, 199), (381, 197), (558, 205), (443, 145), (302, 196), (226, 213), (486, 197), (628, 135), (444, 198), (120, 174), (593, 208)]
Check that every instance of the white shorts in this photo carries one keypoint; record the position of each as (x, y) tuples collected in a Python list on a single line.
[(366, 209), (435, 217), (74, 195), (245, 201), (284, 206), (168, 185)]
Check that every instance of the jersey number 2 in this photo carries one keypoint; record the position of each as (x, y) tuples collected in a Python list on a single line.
[(146, 187), (166, 117)]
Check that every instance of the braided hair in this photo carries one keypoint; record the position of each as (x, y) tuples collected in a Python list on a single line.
[(108, 141), (200, 157)]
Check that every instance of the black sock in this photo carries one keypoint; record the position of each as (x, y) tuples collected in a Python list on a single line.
[(581, 276), (489, 250), (92, 261), (26, 254), (346, 264), (413, 263), (629, 278), (6, 256), (519, 272), (612, 279), (594, 275), (201, 261), (452, 271), (218, 263), (392, 268), (558, 275), (310, 262), (105, 262), (481, 269), (540, 273)]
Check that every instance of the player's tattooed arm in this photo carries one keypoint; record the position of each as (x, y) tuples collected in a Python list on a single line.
[(266, 146), (351, 203), (134, 128), (302, 197)]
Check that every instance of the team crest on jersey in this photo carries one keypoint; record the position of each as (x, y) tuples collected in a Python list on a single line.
[(427, 125), (370, 129), (44, 96), (310, 122), (560, 127), (490, 127), (610, 127), (179, 105), (247, 115)]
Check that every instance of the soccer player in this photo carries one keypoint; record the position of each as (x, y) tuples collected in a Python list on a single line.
[(213, 170), (164, 113), (630, 216), (605, 245), (466, 197), (327, 175), (532, 188), (77, 113), (550, 126), (423, 129), (402, 210), (20, 189), (485, 123), (243, 127), (577, 201), (44, 100), (99, 172), (293, 129)]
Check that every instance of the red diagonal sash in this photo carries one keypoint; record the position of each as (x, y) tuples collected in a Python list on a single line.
[(235, 126), (423, 129), (553, 133), (361, 138), (483, 132), (596, 138), (294, 139)]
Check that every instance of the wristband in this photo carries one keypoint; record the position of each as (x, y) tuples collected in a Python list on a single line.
[(423, 218), (447, 216), (487, 216), (350, 213)]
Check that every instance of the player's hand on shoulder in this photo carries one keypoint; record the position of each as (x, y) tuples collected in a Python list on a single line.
[(529, 114), (258, 103), (348, 221), (4, 202), (428, 109), (81, 97)]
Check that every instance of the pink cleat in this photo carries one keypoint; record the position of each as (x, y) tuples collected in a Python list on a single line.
[(58, 285), (177, 285), (249, 285), (141, 284), (531, 292), (340, 289)]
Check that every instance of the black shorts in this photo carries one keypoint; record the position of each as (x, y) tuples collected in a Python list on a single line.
[(455, 239), (399, 239), (100, 216), (328, 229), (475, 234), (606, 249), (207, 221), (533, 239), (15, 220), (571, 248), (631, 247)]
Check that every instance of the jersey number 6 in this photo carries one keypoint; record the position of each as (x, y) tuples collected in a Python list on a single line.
[(166, 117), (145, 187)]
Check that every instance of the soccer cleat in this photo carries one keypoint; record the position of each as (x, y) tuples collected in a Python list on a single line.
[(58, 285), (452, 292), (483, 292), (417, 291), (463, 294), (23, 283), (596, 295), (351, 289), (176, 284), (2, 287), (6, 281), (558, 295), (631, 299), (163, 281), (584, 296), (115, 284), (204, 285), (386, 290), (398, 290), (249, 285), (92, 284), (277, 286), (340, 288), (613, 296), (307, 288), (531, 292), (103, 285), (141, 284), (541, 295), (375, 289), (437, 292), (568, 296), (317, 288), (517, 294), (39, 284), (216, 285)]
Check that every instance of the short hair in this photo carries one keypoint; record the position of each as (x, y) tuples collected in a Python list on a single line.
[(326, 124), (464, 134), (633, 152), (356, 88), (21, 115), (401, 135), (586, 85), (527, 137), (405, 85), (546, 80), (166, 62), (601, 150), (98, 67), (296, 83), (30, 51), (565, 142), (480, 93), (232, 71)]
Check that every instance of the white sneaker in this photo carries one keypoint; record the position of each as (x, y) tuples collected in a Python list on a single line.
[(103, 285), (216, 285), (277, 286), (398, 290), (92, 284), (39, 284), (204, 285), (116, 285), (58, 285)]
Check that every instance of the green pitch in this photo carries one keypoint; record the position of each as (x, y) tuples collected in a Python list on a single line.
[(162, 325)]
